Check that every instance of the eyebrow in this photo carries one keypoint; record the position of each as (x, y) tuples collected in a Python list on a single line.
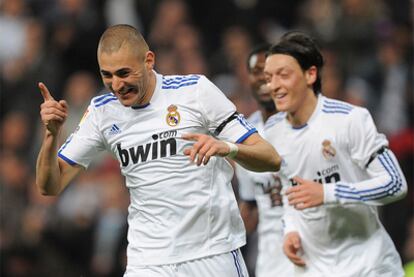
[(122, 70)]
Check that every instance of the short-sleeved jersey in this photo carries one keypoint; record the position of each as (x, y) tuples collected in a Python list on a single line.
[(271, 260), (343, 237), (178, 211)]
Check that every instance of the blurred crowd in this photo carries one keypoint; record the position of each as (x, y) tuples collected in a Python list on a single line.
[(368, 46)]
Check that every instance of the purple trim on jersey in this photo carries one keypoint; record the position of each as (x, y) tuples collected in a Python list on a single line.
[(177, 81), (245, 136), (300, 127), (178, 86), (99, 98), (334, 111), (392, 187), (236, 263), (140, 106), (105, 101), (66, 159)]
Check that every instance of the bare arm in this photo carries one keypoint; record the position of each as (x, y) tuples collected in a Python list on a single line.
[(254, 153), (52, 173), (258, 155)]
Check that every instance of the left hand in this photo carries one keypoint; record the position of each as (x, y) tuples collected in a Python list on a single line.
[(205, 146), (305, 195)]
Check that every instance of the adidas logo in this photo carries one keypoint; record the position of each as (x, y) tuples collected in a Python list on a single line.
[(114, 130)]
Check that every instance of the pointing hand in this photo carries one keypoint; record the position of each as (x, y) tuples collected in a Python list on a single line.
[(52, 112)]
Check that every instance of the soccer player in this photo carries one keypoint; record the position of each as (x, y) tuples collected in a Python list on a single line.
[(336, 169), (261, 194), (170, 135)]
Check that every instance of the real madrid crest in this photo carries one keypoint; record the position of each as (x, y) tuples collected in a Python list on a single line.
[(327, 149), (173, 116)]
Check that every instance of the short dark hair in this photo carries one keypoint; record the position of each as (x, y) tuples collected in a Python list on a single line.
[(304, 49), (260, 48)]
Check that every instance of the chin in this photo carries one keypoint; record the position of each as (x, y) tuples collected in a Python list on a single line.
[(282, 107)]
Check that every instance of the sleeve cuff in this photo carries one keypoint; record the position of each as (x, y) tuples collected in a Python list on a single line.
[(329, 193)]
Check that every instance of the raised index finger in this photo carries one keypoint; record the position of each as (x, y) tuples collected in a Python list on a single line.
[(45, 92), (190, 136)]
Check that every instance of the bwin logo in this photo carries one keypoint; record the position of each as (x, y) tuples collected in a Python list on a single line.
[(158, 149)]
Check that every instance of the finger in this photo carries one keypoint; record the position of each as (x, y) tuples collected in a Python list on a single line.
[(208, 155), (45, 92), (187, 151), (190, 136), (194, 151), (296, 243), (53, 111), (298, 180), (298, 260), (53, 117), (64, 104), (201, 155), (292, 189)]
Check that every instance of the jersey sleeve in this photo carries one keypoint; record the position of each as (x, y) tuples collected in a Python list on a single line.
[(85, 142), (364, 139), (385, 185), (386, 182), (220, 114)]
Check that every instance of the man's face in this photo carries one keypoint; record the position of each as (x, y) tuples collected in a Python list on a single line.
[(287, 82), (126, 74), (257, 78)]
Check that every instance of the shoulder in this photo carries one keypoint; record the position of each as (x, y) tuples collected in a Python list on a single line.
[(274, 120), (103, 100), (255, 118), (336, 107), (174, 82)]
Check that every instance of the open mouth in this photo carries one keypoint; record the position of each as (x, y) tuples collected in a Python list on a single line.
[(127, 91), (280, 96)]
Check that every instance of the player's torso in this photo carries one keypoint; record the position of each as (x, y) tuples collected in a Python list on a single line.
[(320, 152)]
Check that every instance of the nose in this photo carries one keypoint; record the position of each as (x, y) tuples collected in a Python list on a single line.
[(274, 85), (117, 83)]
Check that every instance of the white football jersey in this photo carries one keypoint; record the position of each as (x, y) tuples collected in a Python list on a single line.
[(178, 211), (340, 148), (271, 261)]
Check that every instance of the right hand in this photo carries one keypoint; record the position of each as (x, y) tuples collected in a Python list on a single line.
[(52, 112), (291, 246)]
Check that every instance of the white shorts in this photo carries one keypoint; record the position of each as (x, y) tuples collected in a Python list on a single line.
[(230, 264)]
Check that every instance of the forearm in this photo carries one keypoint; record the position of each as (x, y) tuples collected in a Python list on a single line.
[(259, 157), (387, 184), (48, 173)]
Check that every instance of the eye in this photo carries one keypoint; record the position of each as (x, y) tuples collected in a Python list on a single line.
[(106, 74), (122, 73)]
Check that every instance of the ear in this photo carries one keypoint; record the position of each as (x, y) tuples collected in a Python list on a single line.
[(149, 60), (311, 75)]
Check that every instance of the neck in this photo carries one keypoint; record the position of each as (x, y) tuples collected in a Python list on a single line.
[(306, 108)]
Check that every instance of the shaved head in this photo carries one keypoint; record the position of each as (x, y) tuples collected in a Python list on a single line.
[(119, 36)]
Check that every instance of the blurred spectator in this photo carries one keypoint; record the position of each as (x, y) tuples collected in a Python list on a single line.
[(392, 113), (122, 12), (12, 29), (170, 14), (79, 89), (14, 133)]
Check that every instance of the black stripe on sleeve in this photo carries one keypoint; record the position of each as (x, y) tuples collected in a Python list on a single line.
[(373, 156), (222, 125)]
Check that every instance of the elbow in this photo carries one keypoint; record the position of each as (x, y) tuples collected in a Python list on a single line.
[(404, 189), (47, 191)]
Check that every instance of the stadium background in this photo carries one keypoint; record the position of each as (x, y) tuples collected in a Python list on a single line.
[(368, 46)]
